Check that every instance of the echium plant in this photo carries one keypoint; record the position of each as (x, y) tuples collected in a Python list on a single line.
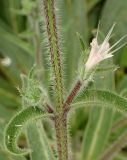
[(38, 104)]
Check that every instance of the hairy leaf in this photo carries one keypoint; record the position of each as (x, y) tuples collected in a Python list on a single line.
[(108, 99), (74, 20), (14, 127), (38, 142)]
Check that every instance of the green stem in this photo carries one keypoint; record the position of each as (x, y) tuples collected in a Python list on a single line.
[(55, 58), (61, 125), (62, 137), (55, 53)]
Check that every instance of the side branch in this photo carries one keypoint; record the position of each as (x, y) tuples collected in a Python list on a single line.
[(72, 95), (49, 108)]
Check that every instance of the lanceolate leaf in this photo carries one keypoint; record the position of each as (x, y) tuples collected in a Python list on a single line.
[(94, 141), (37, 139), (114, 148), (11, 99), (73, 10), (14, 127), (97, 131), (91, 4), (118, 16), (16, 41), (98, 97), (38, 142)]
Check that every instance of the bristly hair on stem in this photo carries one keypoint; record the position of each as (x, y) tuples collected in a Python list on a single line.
[(53, 43), (54, 51)]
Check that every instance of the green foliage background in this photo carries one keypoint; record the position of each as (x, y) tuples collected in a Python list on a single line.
[(90, 127)]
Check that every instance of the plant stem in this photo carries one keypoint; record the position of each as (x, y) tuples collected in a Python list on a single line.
[(61, 125), (72, 95), (55, 52), (49, 108), (62, 137), (61, 112)]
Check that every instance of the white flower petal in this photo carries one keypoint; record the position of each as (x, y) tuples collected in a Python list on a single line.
[(108, 56), (101, 52), (106, 38)]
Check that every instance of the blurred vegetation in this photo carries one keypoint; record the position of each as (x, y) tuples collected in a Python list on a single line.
[(21, 36)]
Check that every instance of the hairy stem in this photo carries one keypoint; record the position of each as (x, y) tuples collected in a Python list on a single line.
[(61, 125), (62, 137), (72, 94), (55, 53), (55, 57)]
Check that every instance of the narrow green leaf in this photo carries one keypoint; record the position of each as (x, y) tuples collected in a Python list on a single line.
[(104, 99), (109, 99), (100, 120), (36, 136), (82, 44), (118, 16), (91, 4), (16, 41), (38, 142), (14, 127), (114, 148), (74, 20), (12, 100)]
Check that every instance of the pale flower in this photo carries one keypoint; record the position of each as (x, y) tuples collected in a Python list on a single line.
[(101, 52), (6, 61)]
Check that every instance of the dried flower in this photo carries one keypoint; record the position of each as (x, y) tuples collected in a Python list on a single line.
[(101, 52)]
